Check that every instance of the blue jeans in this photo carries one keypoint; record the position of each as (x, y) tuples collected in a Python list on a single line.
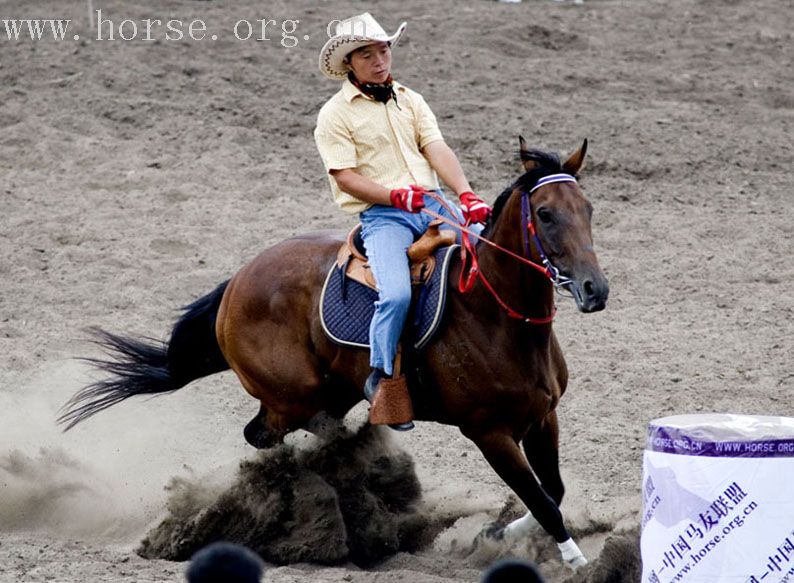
[(387, 234)]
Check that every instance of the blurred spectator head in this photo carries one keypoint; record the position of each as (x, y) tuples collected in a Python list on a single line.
[(224, 562), (512, 571)]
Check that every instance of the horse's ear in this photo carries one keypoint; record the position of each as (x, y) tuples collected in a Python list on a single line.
[(529, 165), (575, 163)]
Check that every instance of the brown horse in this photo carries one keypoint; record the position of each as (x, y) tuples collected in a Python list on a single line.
[(496, 376)]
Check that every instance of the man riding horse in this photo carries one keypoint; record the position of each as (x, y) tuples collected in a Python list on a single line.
[(495, 369), (380, 143)]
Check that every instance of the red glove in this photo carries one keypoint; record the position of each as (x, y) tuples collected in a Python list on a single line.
[(411, 199), (474, 208)]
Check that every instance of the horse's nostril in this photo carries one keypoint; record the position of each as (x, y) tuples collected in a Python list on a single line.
[(588, 288)]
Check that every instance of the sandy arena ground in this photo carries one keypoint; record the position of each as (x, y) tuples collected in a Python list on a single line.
[(135, 176)]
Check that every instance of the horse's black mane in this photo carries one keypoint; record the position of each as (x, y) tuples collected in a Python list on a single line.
[(547, 163)]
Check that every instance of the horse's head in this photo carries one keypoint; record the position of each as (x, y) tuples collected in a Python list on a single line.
[(560, 213)]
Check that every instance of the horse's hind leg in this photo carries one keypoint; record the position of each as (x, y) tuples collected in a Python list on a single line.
[(261, 432), (541, 446), (272, 423)]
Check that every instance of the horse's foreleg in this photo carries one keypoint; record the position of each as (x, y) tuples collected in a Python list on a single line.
[(541, 446), (505, 457)]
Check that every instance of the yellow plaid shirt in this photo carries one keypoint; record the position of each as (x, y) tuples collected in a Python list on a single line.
[(382, 142)]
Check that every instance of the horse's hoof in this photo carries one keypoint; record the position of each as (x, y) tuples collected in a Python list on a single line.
[(577, 562), (256, 434), (521, 527), (491, 536), (571, 555)]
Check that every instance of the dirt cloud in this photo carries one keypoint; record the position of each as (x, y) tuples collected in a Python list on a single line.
[(351, 498)]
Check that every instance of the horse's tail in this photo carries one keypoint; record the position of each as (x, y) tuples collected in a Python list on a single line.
[(148, 366)]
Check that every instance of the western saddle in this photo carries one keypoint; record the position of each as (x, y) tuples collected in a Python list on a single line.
[(352, 259)]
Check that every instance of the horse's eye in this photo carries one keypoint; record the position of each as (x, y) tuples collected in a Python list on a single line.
[(545, 216)]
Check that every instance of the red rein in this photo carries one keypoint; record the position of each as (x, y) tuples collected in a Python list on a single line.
[(469, 256)]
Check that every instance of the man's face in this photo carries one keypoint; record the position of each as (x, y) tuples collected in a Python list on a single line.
[(372, 63)]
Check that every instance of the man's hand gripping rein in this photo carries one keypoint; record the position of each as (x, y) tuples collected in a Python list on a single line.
[(475, 210), (410, 199)]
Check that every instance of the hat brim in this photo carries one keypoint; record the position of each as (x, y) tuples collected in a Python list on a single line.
[(332, 55)]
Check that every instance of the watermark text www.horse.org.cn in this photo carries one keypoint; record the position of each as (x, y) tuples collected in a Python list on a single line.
[(285, 32)]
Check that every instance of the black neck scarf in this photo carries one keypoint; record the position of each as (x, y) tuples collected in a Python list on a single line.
[(381, 92)]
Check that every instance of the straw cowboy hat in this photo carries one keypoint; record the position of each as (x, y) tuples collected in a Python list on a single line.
[(351, 34)]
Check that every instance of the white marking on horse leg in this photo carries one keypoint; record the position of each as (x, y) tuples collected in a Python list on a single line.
[(571, 555), (520, 527), (324, 426)]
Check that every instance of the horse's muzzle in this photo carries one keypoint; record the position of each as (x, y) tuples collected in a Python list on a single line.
[(590, 293)]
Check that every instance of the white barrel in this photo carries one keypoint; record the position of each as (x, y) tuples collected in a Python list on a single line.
[(718, 499)]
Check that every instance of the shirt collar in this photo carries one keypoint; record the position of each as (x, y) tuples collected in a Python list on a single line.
[(350, 91)]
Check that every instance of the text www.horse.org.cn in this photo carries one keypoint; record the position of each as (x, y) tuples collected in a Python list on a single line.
[(155, 29)]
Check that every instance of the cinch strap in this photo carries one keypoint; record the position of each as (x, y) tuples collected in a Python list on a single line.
[(550, 179)]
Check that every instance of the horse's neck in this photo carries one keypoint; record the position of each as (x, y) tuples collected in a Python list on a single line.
[(521, 287)]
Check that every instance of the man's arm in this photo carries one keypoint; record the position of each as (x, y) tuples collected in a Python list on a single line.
[(446, 164), (362, 188), (409, 199)]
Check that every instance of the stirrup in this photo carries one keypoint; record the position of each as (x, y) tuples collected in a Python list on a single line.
[(390, 401)]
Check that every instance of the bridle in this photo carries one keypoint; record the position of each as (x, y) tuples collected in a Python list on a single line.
[(470, 270), (559, 281)]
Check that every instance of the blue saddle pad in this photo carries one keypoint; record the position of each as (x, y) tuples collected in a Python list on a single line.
[(347, 306)]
